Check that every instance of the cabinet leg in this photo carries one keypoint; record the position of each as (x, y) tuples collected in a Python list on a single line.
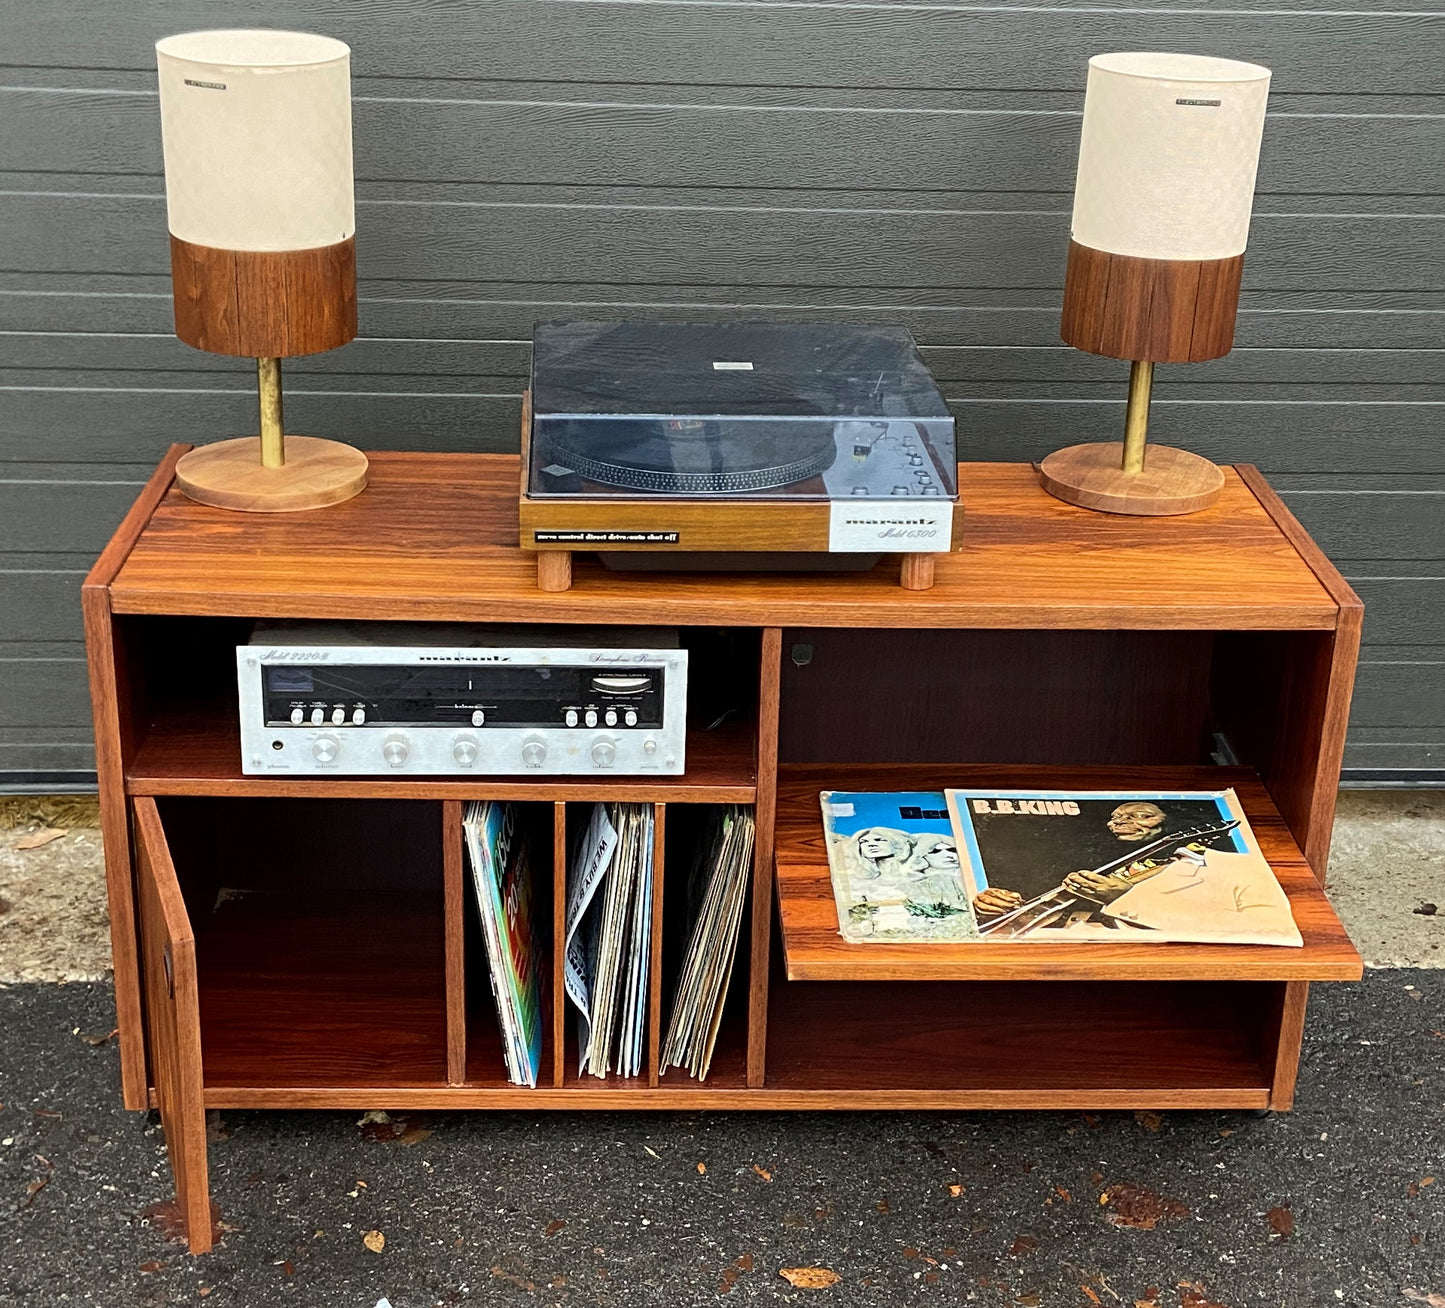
[(554, 570), (1291, 1036), (916, 572)]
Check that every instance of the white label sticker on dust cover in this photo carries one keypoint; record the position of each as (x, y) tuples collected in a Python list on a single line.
[(874, 526)]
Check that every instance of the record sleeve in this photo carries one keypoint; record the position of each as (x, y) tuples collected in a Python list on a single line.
[(1134, 866), (502, 876), (895, 867)]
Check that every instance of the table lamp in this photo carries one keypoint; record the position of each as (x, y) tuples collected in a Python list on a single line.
[(256, 127), (1162, 201)]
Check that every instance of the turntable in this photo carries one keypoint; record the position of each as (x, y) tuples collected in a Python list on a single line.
[(736, 445)]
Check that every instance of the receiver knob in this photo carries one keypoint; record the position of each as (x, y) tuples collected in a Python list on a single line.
[(534, 751), (465, 752), (604, 753), (395, 751), (325, 749)]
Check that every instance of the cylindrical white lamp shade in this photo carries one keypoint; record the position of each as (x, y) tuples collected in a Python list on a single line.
[(256, 127), (1168, 155)]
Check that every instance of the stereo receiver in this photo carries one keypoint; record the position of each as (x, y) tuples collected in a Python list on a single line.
[(392, 698)]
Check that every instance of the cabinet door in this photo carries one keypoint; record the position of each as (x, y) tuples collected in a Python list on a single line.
[(173, 1020)]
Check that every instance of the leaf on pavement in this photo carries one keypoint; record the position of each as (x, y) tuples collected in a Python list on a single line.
[(38, 839), (374, 1240), (809, 1278), (1282, 1220)]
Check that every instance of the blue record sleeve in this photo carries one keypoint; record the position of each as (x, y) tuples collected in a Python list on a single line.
[(895, 866)]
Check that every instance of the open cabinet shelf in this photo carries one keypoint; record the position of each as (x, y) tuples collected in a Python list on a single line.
[(197, 751), (313, 941), (814, 951)]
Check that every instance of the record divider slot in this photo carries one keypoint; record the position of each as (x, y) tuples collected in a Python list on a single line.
[(454, 928), (559, 935), (654, 974), (769, 680)]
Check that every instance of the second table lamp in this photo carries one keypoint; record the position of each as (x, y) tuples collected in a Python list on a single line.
[(256, 127), (1162, 202)]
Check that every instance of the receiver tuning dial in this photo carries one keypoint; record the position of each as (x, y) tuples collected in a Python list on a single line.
[(324, 749), (395, 751), (604, 752), (534, 752), (465, 752)]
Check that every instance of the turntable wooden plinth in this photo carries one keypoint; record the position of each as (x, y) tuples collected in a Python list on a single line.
[(555, 529)]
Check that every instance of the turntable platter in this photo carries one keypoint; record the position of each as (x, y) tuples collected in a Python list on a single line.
[(696, 457)]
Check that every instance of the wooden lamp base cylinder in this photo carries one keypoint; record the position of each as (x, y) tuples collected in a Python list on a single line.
[(230, 475), (1093, 477)]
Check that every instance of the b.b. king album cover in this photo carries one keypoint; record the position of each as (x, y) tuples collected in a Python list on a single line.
[(895, 868), (1105, 865)]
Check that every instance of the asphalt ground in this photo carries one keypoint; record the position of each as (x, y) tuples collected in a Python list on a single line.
[(1334, 1203)]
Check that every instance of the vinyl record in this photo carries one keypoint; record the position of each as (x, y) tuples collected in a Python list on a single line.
[(695, 457)]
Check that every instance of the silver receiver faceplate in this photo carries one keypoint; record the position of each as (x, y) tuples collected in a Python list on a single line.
[(390, 699)]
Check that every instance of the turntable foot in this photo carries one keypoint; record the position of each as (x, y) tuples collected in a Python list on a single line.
[(916, 572), (554, 570)]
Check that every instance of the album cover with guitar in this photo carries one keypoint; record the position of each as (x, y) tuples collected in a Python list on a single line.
[(1115, 866)]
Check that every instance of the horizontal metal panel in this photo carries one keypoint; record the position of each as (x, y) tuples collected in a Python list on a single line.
[(49, 748), (743, 244), (39, 604), (1404, 759), (850, 44), (1054, 363), (566, 136), (43, 692), (59, 514), (1401, 609), (1394, 518), (114, 425), (1400, 693), (475, 311)]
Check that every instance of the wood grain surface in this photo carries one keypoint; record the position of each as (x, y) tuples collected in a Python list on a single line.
[(816, 952), (173, 1024), (454, 932), (1171, 481), (1163, 310), (764, 815), (1028, 561), (1306, 773), (116, 735), (264, 304), (230, 475)]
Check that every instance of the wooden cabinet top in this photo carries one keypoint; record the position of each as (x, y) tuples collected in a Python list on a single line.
[(434, 537)]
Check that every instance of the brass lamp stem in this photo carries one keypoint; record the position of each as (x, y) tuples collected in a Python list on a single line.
[(273, 441), (1136, 417)]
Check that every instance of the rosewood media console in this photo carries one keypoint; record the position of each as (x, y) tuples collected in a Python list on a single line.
[(1058, 647)]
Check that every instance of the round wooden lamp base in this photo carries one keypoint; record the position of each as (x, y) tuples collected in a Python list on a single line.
[(1092, 476), (229, 475)]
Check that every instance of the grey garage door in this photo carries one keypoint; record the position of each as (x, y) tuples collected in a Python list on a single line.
[(900, 162)]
